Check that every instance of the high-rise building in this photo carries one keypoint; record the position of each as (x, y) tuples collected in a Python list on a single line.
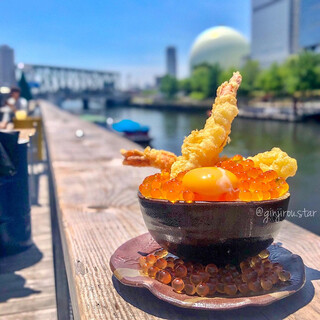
[(309, 35), (7, 69), (171, 61), (274, 30)]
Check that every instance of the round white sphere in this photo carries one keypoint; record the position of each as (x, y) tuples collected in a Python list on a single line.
[(222, 45)]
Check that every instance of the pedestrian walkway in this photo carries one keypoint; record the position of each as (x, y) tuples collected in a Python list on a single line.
[(27, 286)]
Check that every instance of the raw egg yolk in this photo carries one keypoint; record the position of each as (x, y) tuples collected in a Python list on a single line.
[(210, 181)]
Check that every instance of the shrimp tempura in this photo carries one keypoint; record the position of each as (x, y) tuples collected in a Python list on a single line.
[(202, 148), (149, 158), (276, 160)]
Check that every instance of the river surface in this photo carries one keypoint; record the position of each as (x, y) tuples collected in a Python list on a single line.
[(248, 137)]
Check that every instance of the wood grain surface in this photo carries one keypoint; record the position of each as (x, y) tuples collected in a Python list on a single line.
[(98, 211)]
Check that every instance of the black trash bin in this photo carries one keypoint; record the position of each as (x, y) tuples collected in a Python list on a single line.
[(15, 220)]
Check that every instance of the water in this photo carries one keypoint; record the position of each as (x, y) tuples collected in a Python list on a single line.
[(248, 137)]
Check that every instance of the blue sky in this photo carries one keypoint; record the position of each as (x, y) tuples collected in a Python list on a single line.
[(120, 35)]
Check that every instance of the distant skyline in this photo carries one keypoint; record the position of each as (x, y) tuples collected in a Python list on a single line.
[(126, 36)]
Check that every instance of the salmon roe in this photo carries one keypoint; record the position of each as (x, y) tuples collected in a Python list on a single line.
[(256, 274), (254, 184)]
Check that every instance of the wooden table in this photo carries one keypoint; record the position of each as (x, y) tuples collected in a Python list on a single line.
[(28, 124), (98, 211), (24, 134)]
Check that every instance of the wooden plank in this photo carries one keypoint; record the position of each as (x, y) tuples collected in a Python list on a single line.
[(98, 211), (46, 314), (38, 301), (27, 287), (61, 280)]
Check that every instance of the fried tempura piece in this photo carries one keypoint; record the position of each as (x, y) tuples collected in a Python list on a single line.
[(149, 158), (276, 160), (202, 148)]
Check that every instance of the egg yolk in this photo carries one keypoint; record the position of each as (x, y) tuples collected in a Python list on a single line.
[(210, 181)]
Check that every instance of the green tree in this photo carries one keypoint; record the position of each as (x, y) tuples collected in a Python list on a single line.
[(204, 80), (226, 74), (200, 80), (271, 80), (250, 72), (24, 87), (215, 71), (301, 73), (169, 86), (185, 85)]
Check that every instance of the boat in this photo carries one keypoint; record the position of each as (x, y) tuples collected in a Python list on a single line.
[(127, 128), (131, 130)]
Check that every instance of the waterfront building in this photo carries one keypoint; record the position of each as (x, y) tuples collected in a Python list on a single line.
[(7, 68), (222, 45), (309, 35), (274, 30), (171, 61), (157, 81)]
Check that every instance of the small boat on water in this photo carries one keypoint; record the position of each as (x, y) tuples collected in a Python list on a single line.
[(132, 130), (127, 128)]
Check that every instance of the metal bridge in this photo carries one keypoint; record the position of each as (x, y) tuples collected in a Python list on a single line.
[(70, 83)]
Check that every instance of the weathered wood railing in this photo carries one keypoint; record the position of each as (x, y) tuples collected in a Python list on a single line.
[(97, 210)]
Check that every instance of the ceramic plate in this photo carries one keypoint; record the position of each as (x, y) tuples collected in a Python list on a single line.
[(125, 267)]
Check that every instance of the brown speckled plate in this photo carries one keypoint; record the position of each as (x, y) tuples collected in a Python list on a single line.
[(125, 267)]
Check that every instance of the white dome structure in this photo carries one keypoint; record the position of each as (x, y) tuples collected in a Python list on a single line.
[(222, 45)]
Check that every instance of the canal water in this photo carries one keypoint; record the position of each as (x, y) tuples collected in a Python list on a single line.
[(248, 137)]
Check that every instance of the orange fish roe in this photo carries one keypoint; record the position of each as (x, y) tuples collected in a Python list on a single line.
[(257, 274), (159, 186), (254, 184)]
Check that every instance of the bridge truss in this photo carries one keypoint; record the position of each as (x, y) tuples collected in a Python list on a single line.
[(69, 81)]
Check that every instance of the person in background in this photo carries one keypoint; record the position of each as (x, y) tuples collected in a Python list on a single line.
[(13, 104)]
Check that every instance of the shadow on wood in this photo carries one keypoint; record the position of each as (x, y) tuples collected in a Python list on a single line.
[(21, 260), (144, 300), (12, 284)]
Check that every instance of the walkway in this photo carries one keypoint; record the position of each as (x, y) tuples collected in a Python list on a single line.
[(27, 287)]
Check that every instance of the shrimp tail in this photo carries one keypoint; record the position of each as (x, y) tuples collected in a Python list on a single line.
[(149, 158)]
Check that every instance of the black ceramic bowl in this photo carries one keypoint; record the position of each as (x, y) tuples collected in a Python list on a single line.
[(220, 232)]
